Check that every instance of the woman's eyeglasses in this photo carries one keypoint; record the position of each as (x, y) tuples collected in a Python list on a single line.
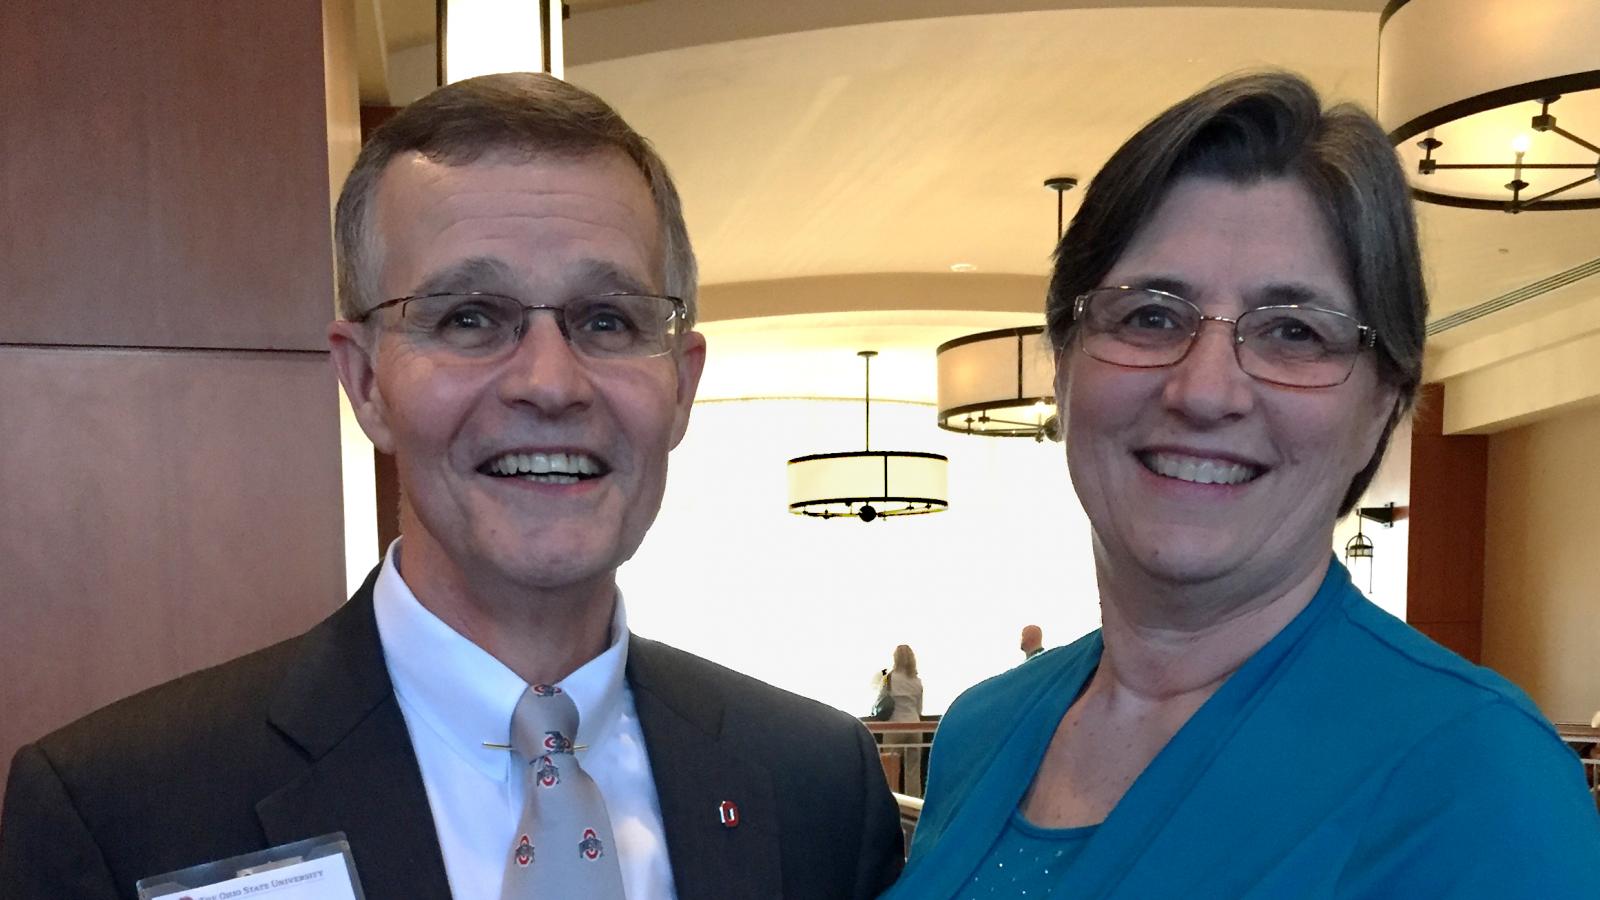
[(1291, 345)]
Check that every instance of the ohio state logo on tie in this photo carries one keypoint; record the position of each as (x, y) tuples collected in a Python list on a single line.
[(556, 742), (524, 852), (545, 690), (591, 847), (546, 772)]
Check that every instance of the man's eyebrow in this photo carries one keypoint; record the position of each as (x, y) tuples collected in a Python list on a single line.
[(491, 275), (476, 273), (604, 276)]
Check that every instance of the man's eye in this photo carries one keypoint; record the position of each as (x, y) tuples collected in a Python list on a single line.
[(605, 321), (467, 318)]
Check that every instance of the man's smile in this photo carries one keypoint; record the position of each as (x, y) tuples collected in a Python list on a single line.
[(561, 467)]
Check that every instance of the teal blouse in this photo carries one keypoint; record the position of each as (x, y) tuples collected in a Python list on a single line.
[(1027, 861), (1350, 757)]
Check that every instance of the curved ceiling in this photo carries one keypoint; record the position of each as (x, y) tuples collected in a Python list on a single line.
[(881, 143)]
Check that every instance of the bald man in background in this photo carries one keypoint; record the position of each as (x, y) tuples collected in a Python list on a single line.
[(1032, 641)]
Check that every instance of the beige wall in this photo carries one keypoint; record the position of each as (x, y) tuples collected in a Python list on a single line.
[(1541, 616)]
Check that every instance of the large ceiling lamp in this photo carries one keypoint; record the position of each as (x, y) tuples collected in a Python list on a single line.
[(1494, 104), (482, 37), (867, 484), (1001, 383)]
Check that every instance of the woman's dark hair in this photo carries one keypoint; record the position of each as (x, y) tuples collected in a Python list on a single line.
[(1243, 130)]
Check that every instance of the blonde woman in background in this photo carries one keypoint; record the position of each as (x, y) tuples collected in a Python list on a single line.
[(905, 687)]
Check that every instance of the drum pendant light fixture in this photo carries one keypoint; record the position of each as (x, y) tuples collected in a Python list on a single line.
[(867, 484), (1494, 104), (1002, 383), (998, 384)]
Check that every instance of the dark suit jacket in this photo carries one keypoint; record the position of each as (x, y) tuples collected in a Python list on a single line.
[(306, 738)]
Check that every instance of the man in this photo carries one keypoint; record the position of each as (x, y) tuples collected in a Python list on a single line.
[(1032, 641), (516, 292)]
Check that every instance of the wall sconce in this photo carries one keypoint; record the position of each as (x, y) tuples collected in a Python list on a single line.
[(1384, 515), (1360, 546), (1468, 91)]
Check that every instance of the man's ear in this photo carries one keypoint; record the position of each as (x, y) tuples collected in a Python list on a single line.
[(690, 358), (353, 360)]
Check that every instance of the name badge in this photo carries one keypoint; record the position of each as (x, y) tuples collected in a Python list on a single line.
[(316, 869)]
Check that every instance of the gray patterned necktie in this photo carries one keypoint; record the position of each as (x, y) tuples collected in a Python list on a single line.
[(563, 848)]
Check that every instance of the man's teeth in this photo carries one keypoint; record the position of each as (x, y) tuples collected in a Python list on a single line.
[(1199, 471), (549, 468)]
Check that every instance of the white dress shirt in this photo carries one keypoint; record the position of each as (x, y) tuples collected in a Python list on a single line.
[(455, 697)]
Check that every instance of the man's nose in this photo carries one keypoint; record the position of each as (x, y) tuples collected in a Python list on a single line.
[(1207, 385), (545, 371)]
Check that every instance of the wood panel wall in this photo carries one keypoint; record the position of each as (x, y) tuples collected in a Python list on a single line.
[(1449, 495), (169, 439)]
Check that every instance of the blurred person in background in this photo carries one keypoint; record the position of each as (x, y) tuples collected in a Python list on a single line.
[(1032, 643), (902, 684)]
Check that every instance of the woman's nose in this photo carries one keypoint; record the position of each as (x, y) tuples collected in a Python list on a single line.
[(1208, 384)]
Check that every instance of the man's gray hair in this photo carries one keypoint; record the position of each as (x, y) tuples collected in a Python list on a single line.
[(523, 114), (1242, 130)]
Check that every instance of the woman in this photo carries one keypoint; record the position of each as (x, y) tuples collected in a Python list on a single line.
[(902, 684), (1238, 313)]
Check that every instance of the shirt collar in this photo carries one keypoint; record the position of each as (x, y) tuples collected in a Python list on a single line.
[(465, 695)]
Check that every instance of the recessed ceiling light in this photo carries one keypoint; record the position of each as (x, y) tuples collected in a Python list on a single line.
[(963, 267)]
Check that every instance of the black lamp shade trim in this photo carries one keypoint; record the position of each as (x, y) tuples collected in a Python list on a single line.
[(1530, 91), (1022, 332), (917, 453)]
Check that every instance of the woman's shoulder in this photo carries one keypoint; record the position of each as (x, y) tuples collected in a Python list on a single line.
[(1002, 697), (1398, 653)]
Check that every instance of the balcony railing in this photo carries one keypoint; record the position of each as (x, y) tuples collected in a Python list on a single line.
[(909, 738), (1584, 741)]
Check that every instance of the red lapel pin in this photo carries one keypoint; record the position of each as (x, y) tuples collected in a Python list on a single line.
[(729, 813)]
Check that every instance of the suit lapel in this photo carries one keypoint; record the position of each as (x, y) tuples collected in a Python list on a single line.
[(695, 770), (337, 703)]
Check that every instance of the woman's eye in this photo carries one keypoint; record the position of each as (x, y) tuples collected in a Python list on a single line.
[(1293, 332), (1150, 318)]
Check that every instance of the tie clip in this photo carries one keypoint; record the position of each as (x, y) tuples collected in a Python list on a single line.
[(493, 746)]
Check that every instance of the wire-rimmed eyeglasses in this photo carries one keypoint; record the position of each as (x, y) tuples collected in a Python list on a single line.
[(482, 326), (1293, 345)]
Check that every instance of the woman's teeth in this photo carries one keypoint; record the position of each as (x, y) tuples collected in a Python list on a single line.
[(1198, 470)]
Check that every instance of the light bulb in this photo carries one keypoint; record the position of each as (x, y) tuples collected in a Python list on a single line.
[(1520, 144)]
